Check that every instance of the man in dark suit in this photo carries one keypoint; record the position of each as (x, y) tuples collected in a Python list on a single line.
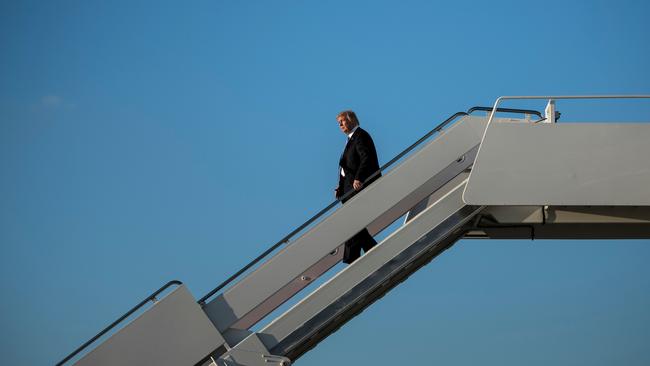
[(358, 163)]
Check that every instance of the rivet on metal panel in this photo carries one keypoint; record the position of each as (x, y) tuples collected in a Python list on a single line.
[(334, 252), (305, 278), (460, 159)]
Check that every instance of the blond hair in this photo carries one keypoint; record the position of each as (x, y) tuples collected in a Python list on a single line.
[(349, 115)]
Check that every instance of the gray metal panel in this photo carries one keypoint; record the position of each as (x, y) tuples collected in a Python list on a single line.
[(251, 352), (371, 289), (307, 277), (174, 332), (453, 172), (411, 202), (433, 198), (562, 164), (359, 212), (364, 267)]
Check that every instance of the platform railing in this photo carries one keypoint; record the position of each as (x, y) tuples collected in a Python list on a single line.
[(496, 108)]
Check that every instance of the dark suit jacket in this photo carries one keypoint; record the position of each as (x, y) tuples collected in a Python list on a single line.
[(359, 161)]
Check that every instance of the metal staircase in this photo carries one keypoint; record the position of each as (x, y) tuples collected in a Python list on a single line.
[(470, 177)]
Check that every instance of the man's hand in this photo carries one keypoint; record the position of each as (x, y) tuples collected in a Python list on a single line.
[(357, 185)]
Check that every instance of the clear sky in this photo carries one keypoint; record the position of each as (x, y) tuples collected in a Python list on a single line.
[(147, 141)]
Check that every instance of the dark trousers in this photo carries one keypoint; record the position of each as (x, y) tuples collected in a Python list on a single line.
[(361, 240)]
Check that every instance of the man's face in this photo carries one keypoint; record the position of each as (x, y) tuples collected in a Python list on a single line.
[(345, 125)]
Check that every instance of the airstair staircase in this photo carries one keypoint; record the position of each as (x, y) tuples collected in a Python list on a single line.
[(473, 176)]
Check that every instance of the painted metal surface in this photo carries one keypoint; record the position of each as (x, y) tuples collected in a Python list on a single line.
[(363, 209), (251, 352), (572, 164), (433, 198), (390, 256), (173, 332), (453, 172), (293, 287)]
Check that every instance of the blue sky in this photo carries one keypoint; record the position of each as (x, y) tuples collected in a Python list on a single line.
[(147, 141)]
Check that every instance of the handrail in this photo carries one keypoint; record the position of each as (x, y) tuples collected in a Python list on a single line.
[(499, 99), (505, 110), (347, 195), (549, 97), (151, 297)]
